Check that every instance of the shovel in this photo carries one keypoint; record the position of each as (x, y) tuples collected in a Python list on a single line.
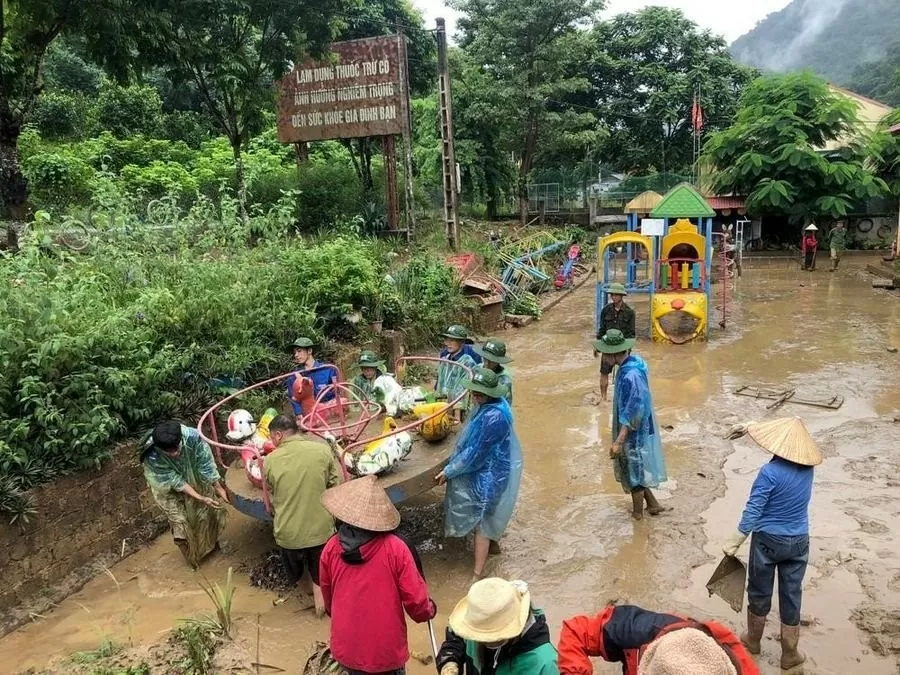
[(728, 582), (450, 668)]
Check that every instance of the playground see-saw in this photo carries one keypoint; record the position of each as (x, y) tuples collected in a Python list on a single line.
[(356, 429), (666, 255)]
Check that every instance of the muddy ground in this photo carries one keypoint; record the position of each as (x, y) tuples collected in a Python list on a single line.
[(572, 538)]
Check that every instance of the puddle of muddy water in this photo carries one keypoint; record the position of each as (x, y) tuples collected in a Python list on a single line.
[(572, 538)]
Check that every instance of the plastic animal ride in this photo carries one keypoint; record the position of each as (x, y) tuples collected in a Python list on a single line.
[(692, 308), (344, 417), (435, 428), (381, 455), (254, 440)]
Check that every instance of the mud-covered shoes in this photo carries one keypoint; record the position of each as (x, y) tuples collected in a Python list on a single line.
[(755, 627), (792, 659)]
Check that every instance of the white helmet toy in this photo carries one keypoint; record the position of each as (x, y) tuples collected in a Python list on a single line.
[(240, 425)]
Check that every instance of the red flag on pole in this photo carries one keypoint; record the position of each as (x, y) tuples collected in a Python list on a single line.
[(697, 115)]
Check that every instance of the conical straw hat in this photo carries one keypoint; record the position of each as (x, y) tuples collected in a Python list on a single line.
[(362, 503), (787, 438)]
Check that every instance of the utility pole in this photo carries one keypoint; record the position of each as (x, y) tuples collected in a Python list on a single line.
[(407, 134), (451, 204)]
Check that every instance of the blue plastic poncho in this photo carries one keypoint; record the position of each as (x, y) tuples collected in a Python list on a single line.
[(641, 463), (450, 379), (483, 474)]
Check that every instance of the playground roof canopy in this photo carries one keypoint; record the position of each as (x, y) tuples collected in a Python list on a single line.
[(683, 201), (644, 202)]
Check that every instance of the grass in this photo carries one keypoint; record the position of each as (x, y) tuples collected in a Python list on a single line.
[(106, 649), (199, 640)]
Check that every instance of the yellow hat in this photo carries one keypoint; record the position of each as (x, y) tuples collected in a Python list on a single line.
[(686, 651), (787, 438), (494, 610)]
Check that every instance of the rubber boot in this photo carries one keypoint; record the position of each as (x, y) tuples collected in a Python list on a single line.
[(792, 659), (755, 627), (637, 504), (653, 506)]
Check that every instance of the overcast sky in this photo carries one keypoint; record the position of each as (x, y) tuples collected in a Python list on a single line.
[(729, 18)]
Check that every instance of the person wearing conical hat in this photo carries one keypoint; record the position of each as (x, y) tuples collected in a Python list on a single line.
[(458, 349), (777, 515), (619, 316), (370, 367), (495, 629), (493, 357), (369, 576), (484, 470), (650, 643), (809, 246), (636, 449)]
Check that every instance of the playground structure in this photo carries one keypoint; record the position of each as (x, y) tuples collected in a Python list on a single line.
[(666, 257), (342, 421)]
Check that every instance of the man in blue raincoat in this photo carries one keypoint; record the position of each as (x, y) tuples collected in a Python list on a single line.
[(636, 448), (485, 469)]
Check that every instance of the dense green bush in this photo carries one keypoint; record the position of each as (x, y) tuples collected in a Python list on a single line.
[(125, 111), (159, 179), (96, 348), (58, 179), (62, 116)]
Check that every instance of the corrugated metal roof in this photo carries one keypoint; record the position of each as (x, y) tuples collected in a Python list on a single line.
[(724, 203)]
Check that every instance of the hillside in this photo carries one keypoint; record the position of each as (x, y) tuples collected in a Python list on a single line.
[(832, 37)]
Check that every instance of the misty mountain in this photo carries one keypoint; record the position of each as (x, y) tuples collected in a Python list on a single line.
[(832, 37)]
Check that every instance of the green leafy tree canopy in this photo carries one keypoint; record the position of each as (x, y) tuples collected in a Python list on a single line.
[(644, 72), (525, 50), (776, 152)]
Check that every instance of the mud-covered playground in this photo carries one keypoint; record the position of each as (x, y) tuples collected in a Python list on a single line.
[(820, 335)]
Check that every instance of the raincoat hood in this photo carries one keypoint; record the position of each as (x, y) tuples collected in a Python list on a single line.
[(357, 545)]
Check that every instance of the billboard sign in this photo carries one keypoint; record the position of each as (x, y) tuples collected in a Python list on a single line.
[(355, 92)]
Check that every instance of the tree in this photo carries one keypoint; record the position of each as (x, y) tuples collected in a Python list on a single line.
[(232, 51), (776, 151), (384, 17), (644, 71), (523, 50), (27, 29), (880, 79), (486, 169), (884, 151)]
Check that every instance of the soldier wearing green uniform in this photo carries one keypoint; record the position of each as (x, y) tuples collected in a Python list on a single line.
[(493, 357), (837, 242), (370, 367)]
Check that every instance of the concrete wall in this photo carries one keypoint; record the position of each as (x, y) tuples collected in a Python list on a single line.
[(882, 223), (81, 523)]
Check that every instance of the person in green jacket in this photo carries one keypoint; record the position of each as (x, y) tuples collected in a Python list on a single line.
[(370, 367), (837, 242), (493, 357), (494, 629)]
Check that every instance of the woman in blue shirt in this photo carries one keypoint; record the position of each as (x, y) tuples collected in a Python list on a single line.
[(777, 515)]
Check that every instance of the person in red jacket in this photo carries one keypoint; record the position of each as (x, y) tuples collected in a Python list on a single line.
[(809, 245), (369, 576), (648, 643)]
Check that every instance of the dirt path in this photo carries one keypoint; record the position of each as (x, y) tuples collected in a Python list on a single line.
[(572, 538)]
